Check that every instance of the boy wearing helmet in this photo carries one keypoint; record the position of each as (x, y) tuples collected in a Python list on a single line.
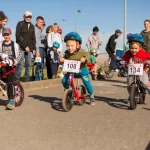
[(137, 53), (74, 52), (54, 57)]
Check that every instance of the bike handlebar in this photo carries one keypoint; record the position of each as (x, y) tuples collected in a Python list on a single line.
[(3, 65)]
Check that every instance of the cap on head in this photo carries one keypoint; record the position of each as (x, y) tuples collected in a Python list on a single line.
[(118, 31), (6, 30), (28, 13)]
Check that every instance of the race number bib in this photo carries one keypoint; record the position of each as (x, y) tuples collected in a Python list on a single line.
[(71, 66), (135, 69), (37, 59)]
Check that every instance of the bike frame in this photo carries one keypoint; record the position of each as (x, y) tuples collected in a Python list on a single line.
[(2, 83), (75, 88)]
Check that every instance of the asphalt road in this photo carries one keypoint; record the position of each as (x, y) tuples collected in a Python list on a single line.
[(41, 124)]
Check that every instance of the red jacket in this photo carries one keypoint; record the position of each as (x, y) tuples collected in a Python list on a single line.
[(142, 55)]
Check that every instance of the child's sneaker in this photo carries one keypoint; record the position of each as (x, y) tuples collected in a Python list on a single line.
[(92, 101), (11, 104)]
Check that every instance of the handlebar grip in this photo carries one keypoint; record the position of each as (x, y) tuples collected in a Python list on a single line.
[(3, 65)]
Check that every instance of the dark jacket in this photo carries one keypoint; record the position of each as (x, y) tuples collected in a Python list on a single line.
[(25, 37), (111, 45)]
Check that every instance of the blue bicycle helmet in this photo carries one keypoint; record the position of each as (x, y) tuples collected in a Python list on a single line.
[(136, 38), (56, 44), (73, 36)]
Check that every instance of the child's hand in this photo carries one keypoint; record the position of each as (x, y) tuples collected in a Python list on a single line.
[(15, 64), (83, 60), (61, 60)]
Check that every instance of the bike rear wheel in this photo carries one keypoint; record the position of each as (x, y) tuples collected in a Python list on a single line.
[(81, 92), (142, 98), (19, 94), (67, 100), (133, 97)]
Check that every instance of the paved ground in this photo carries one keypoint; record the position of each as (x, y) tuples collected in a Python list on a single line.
[(40, 123)]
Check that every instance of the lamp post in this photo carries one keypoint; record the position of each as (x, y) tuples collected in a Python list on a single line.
[(125, 15), (78, 11)]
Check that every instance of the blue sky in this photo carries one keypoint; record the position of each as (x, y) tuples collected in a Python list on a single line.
[(108, 15)]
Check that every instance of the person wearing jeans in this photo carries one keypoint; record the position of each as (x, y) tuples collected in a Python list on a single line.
[(40, 38), (25, 37), (27, 58)]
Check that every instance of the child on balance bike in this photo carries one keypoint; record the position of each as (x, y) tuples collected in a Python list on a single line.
[(74, 52)]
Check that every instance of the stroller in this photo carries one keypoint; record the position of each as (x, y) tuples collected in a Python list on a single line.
[(122, 68), (37, 70)]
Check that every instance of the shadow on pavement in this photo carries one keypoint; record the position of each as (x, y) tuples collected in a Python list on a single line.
[(148, 147), (113, 102), (120, 86), (54, 101), (146, 108), (111, 80)]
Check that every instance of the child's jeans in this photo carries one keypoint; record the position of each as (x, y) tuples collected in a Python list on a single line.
[(54, 68), (85, 79), (144, 79), (10, 85)]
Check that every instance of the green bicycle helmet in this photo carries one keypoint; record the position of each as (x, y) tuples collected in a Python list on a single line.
[(93, 50)]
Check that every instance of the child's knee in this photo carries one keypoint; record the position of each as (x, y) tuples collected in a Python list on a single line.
[(64, 80)]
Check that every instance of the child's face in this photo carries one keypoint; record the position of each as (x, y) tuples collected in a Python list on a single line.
[(134, 48), (147, 25), (54, 48), (71, 46), (7, 37)]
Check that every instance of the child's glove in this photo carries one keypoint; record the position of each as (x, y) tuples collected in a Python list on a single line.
[(83, 60)]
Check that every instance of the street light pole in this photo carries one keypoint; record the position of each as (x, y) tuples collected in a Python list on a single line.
[(78, 11), (75, 21), (125, 16)]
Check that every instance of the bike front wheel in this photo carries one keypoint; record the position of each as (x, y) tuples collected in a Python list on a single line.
[(134, 95), (67, 100)]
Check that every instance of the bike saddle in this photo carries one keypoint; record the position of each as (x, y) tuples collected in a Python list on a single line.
[(77, 76)]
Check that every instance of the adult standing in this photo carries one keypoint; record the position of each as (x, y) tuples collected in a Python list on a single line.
[(146, 35), (54, 36), (25, 37), (40, 38), (111, 49), (94, 43)]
